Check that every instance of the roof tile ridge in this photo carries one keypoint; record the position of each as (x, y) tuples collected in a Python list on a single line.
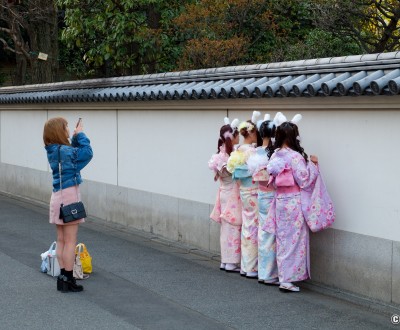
[(209, 73)]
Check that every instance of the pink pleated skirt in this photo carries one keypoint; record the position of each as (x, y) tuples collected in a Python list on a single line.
[(69, 195)]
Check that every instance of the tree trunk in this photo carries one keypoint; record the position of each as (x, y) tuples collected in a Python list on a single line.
[(20, 72), (44, 39), (153, 17), (20, 57)]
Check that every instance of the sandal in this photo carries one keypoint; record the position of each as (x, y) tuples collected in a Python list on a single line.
[(289, 288), (272, 282), (252, 275), (232, 268)]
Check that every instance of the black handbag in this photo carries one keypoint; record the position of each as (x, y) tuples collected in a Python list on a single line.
[(73, 211)]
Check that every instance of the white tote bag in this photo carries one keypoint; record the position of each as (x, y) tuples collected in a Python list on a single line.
[(53, 268), (78, 271)]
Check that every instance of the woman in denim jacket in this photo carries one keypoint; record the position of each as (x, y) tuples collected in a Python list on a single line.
[(74, 157)]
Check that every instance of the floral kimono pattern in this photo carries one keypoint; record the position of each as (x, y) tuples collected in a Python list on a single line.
[(249, 238), (267, 265), (318, 209), (248, 196), (285, 218), (227, 210)]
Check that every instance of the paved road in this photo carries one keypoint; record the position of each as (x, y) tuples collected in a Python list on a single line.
[(140, 282)]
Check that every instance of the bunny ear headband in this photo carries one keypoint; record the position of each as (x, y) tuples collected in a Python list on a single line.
[(233, 124), (280, 119), (255, 115), (267, 116), (247, 125)]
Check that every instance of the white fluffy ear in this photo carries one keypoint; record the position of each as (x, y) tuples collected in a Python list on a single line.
[(276, 118), (296, 119), (255, 115), (267, 116), (226, 121), (279, 119), (235, 124)]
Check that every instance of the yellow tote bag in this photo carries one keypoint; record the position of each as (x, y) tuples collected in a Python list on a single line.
[(85, 257)]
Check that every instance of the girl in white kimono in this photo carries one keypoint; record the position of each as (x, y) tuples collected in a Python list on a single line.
[(227, 210), (257, 165), (248, 195)]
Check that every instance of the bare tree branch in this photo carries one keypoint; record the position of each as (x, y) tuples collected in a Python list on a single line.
[(7, 47), (383, 10), (374, 24), (5, 30)]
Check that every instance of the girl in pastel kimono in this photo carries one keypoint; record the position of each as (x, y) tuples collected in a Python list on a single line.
[(227, 210), (292, 172), (248, 195), (257, 165)]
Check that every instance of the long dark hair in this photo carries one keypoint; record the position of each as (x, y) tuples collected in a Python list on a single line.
[(267, 130), (226, 139), (288, 133)]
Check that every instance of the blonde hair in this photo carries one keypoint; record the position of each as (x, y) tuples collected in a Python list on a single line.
[(247, 127), (55, 131)]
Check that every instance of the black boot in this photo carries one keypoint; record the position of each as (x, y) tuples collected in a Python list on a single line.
[(72, 286), (60, 279), (69, 284)]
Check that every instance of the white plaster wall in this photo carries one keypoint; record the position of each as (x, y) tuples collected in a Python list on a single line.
[(166, 152), (101, 128), (359, 161), (362, 174), (22, 139)]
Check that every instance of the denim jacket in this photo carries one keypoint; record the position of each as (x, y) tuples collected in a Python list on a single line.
[(73, 159)]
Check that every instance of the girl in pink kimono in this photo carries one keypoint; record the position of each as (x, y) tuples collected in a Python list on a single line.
[(257, 165), (227, 210), (248, 195), (291, 172)]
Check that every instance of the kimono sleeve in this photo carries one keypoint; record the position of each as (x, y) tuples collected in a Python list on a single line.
[(304, 174), (275, 165), (212, 163)]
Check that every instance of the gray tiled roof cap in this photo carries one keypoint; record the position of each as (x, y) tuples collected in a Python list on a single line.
[(368, 74)]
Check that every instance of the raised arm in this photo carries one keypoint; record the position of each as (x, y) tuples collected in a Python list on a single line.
[(83, 150)]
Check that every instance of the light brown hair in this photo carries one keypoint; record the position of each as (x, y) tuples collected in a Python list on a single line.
[(55, 131)]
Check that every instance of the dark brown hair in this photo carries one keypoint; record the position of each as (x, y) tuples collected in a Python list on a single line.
[(267, 130), (288, 133), (226, 140), (55, 131)]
